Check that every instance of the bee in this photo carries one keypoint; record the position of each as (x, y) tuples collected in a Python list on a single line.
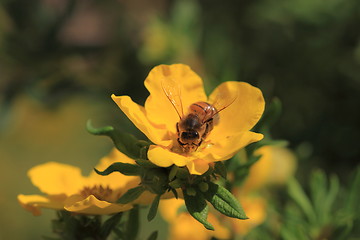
[(193, 128)]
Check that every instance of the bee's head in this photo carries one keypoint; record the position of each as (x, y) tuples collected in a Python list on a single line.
[(190, 135)]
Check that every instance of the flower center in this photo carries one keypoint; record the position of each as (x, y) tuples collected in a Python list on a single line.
[(100, 192)]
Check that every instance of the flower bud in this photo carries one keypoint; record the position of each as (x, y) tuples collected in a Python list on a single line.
[(204, 187), (191, 191)]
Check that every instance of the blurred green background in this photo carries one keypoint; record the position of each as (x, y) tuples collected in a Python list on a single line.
[(60, 60)]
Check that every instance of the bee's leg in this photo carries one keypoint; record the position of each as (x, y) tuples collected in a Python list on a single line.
[(185, 147), (178, 134), (195, 146)]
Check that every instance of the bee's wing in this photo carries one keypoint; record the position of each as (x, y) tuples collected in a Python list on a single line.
[(172, 91), (221, 102)]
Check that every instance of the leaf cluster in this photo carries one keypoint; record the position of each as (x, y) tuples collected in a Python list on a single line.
[(322, 209), (196, 190), (74, 227), (220, 198), (125, 226), (327, 211)]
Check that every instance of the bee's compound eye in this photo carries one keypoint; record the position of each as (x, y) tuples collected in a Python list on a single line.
[(190, 135)]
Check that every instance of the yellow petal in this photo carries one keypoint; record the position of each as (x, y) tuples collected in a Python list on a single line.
[(275, 166), (198, 166), (255, 208), (114, 180), (157, 133), (175, 77), (221, 232), (260, 172), (169, 208), (169, 211), (283, 164), (163, 157), (242, 114), (225, 147), (145, 198), (93, 206), (34, 203), (55, 178), (185, 227), (114, 156)]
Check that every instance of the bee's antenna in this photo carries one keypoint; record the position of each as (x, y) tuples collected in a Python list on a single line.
[(175, 99)]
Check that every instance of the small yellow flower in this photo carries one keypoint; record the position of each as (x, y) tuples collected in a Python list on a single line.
[(66, 189), (183, 226), (275, 166), (158, 118), (255, 208)]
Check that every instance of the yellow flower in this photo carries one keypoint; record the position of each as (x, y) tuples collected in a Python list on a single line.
[(275, 166), (66, 189), (158, 118), (255, 208), (183, 226)]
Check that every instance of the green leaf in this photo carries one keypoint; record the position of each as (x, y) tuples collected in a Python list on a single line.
[(155, 180), (154, 207), (131, 195), (323, 194), (66, 225), (288, 233), (119, 233), (124, 168), (145, 163), (132, 225), (353, 199), (224, 201), (175, 193), (332, 194), (197, 207), (173, 172), (110, 224), (318, 189), (153, 236), (124, 142), (220, 168), (177, 183), (299, 196), (182, 173)]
